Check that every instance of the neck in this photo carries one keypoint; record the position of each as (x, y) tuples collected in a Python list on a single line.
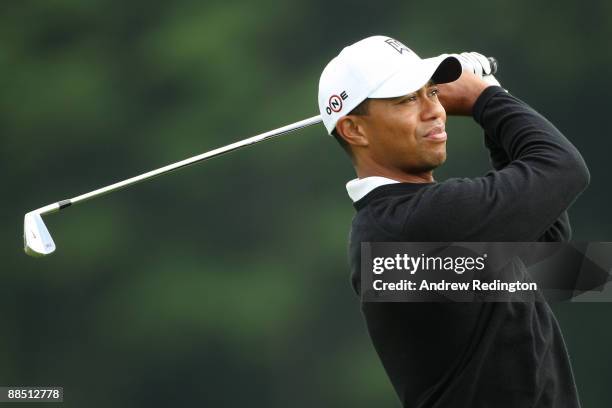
[(394, 174)]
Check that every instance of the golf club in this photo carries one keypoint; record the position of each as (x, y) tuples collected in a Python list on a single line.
[(37, 240)]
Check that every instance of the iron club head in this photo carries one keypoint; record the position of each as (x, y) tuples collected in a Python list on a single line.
[(36, 238)]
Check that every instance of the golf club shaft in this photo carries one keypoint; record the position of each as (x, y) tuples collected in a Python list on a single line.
[(51, 208)]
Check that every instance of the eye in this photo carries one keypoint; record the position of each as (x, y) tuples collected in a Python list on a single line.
[(434, 92), (408, 98)]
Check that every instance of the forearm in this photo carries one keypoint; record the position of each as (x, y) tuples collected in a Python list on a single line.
[(525, 135), (459, 97)]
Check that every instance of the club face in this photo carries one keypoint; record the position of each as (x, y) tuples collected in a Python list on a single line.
[(36, 238)]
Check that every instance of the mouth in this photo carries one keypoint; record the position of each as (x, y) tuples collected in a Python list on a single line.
[(436, 134)]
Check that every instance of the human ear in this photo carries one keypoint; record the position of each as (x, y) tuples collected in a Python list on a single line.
[(351, 129)]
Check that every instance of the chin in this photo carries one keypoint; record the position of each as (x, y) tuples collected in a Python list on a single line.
[(442, 160), (438, 160), (426, 167)]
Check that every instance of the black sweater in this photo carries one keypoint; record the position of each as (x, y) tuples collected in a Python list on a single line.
[(478, 354)]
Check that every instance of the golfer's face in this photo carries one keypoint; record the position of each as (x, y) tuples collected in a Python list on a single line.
[(408, 132)]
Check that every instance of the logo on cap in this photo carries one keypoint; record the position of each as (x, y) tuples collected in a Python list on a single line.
[(335, 103), (398, 46)]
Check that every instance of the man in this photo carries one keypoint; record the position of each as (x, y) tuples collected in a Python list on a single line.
[(387, 107)]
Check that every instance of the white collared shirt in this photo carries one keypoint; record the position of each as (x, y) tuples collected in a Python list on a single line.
[(359, 188)]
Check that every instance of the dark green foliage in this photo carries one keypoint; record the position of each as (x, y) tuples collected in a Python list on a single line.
[(226, 284)]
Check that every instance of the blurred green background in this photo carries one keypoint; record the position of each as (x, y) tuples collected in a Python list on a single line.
[(226, 284)]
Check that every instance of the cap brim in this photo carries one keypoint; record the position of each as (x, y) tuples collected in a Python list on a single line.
[(441, 69)]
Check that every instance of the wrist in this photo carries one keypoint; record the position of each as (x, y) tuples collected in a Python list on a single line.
[(482, 101), (473, 96)]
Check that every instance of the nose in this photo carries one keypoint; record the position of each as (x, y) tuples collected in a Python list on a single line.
[(432, 109)]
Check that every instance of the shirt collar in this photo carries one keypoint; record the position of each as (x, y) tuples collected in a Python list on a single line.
[(359, 188)]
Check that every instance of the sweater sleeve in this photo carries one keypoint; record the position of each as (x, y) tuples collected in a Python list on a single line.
[(560, 230), (522, 200)]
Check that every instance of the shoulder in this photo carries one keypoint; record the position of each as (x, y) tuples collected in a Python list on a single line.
[(410, 212), (383, 213)]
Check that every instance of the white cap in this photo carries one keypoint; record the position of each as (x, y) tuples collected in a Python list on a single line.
[(377, 67)]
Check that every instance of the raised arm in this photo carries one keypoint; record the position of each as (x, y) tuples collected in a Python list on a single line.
[(521, 201)]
